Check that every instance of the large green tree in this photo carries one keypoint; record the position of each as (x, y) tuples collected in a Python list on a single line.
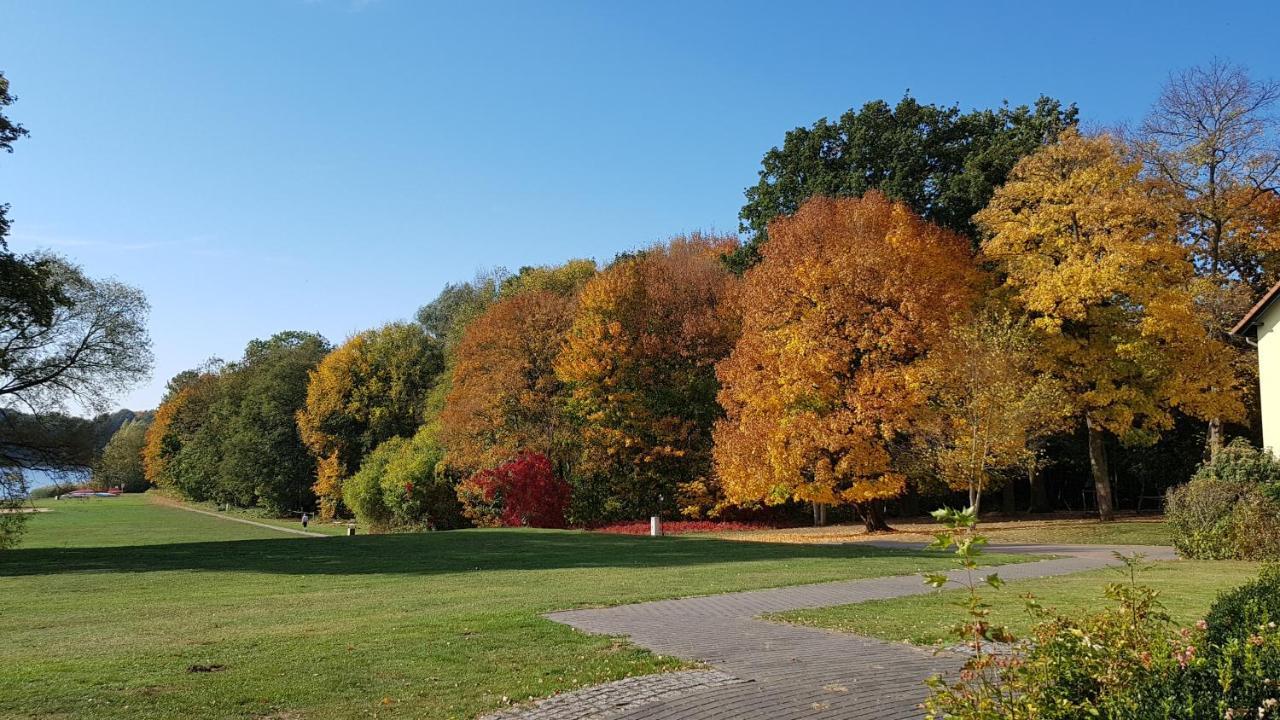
[(228, 432), (940, 162), (121, 462)]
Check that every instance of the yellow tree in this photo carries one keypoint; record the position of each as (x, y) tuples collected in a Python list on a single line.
[(370, 389), (639, 361), (1088, 253), (989, 403), (850, 295)]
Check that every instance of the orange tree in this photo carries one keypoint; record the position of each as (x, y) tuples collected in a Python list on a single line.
[(850, 294), (368, 390), (505, 397), (639, 363), (1089, 253)]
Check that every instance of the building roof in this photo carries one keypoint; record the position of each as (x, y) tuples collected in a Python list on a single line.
[(1251, 318)]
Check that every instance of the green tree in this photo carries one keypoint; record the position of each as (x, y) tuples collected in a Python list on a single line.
[(940, 162), (370, 389), (264, 461), (121, 462)]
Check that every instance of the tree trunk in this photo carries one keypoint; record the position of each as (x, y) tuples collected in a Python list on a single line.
[(1213, 439), (1009, 498), (819, 514), (873, 516), (1101, 476), (1039, 493)]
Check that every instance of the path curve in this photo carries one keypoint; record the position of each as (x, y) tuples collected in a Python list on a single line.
[(221, 516), (789, 671)]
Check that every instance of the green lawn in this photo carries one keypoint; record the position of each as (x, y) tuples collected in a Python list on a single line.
[(127, 520), (316, 526), (1187, 588), (111, 603)]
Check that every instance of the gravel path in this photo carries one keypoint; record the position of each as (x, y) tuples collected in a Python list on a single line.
[(223, 516), (778, 671)]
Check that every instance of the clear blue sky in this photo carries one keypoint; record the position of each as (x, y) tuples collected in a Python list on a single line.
[(328, 165)]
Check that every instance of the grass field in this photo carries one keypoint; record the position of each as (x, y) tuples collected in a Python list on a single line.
[(1187, 588), (255, 515), (124, 609)]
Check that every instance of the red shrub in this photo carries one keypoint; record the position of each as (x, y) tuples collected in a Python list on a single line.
[(523, 492), (680, 527)]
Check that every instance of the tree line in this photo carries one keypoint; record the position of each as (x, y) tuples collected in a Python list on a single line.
[(928, 301)]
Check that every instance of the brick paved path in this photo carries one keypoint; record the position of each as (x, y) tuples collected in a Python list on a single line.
[(790, 671)]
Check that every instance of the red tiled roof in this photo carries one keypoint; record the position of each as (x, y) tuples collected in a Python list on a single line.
[(1251, 317)]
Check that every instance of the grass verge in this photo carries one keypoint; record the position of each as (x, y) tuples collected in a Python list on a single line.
[(1186, 587)]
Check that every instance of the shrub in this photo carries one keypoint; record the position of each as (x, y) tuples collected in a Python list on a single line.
[(522, 492), (1127, 662), (1229, 509), (402, 485), (1243, 463), (1237, 613)]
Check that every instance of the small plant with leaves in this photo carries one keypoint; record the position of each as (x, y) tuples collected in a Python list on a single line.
[(980, 692)]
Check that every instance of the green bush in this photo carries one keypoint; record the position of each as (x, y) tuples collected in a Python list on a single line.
[(1238, 613), (1229, 509), (1127, 662), (1241, 462), (402, 485)]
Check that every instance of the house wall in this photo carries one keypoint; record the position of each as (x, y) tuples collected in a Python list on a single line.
[(1269, 375)]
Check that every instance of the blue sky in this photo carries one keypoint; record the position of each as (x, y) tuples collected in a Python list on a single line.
[(329, 165)]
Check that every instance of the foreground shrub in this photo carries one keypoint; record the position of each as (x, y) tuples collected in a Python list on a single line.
[(1126, 662), (1229, 508), (523, 492), (1236, 613), (402, 485)]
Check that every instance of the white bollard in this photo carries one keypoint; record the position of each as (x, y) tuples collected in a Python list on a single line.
[(655, 526)]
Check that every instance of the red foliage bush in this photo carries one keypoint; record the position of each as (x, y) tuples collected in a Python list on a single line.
[(680, 527), (521, 493)]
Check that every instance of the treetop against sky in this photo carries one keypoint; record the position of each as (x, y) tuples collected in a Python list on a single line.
[(329, 165)]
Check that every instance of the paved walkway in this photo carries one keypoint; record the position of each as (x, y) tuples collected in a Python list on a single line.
[(787, 671)]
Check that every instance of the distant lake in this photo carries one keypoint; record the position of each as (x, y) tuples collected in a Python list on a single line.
[(40, 478)]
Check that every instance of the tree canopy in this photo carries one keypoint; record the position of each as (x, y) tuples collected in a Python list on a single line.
[(940, 162), (849, 295), (370, 389)]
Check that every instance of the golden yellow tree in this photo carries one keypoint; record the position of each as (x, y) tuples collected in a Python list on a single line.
[(370, 389), (989, 403), (1089, 254), (639, 361), (850, 295)]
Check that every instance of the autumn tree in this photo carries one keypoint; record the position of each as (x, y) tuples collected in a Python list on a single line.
[(988, 402), (505, 397), (849, 297), (370, 389), (1213, 140), (639, 362), (1088, 253), (940, 162), (178, 453)]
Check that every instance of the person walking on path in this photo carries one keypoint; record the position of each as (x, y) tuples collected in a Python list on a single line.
[(305, 518)]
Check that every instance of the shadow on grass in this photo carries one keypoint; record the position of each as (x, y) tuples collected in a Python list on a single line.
[(426, 553)]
